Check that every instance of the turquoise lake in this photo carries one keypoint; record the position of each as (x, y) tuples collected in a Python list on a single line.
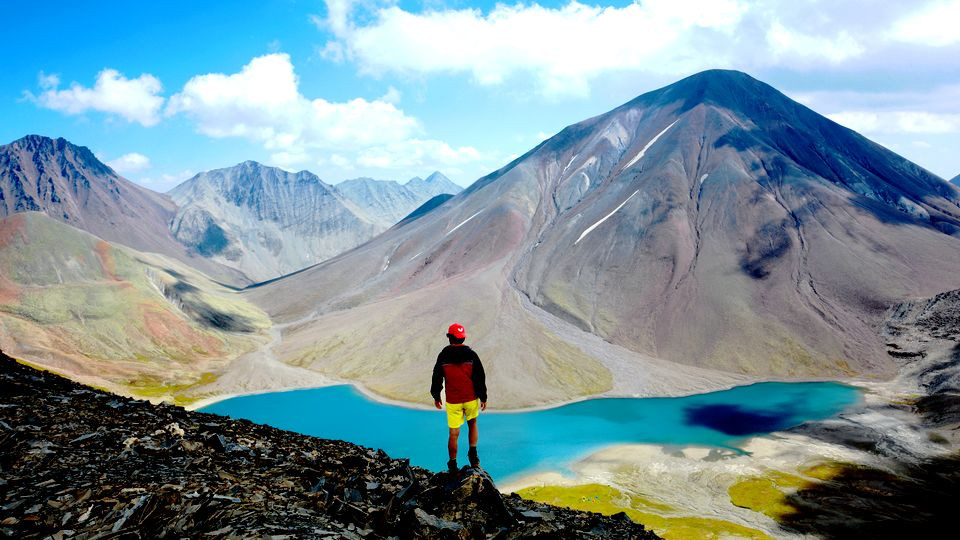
[(519, 443)]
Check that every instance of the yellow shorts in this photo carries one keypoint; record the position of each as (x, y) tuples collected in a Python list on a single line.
[(458, 412)]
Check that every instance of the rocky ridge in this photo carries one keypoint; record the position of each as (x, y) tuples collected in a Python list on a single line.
[(81, 463)]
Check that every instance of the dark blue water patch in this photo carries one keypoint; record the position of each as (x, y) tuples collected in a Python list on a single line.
[(520, 443), (737, 420)]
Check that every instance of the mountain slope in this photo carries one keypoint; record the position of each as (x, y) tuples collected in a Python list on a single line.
[(426, 207), (265, 221), (108, 315), (956, 180), (713, 223), (68, 183)]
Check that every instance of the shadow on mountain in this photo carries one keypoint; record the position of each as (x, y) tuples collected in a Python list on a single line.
[(186, 297), (911, 500), (213, 318), (425, 208), (817, 160), (764, 249), (735, 420)]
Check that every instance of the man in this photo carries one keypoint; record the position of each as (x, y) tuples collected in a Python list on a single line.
[(466, 390)]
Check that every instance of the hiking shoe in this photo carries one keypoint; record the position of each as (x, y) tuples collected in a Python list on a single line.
[(452, 465), (474, 458)]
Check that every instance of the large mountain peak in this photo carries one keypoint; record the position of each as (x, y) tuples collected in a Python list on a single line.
[(712, 222), (42, 148), (724, 88)]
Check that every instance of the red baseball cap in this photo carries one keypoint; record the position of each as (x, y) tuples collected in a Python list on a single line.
[(457, 330)]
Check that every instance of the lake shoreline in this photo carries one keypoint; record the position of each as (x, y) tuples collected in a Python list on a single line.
[(862, 385)]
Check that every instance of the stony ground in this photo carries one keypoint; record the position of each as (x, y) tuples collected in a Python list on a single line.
[(80, 463)]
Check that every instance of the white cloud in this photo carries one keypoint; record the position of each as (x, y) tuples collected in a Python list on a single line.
[(563, 48), (934, 25), (135, 100), (262, 102), (130, 163), (391, 96), (898, 122), (563, 51), (787, 43), (417, 153)]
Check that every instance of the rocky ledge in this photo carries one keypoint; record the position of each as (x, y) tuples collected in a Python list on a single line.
[(76, 462)]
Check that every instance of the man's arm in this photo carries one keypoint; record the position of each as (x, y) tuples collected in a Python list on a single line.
[(479, 380), (437, 383)]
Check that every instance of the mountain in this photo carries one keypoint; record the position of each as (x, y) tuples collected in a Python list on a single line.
[(431, 186), (708, 232), (68, 183), (265, 221), (138, 323), (956, 180), (385, 202)]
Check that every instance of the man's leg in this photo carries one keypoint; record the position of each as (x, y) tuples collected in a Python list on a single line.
[(472, 424), (472, 453), (452, 442)]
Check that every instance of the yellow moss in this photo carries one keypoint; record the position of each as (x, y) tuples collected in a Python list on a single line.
[(824, 471), (150, 387), (608, 500), (768, 494)]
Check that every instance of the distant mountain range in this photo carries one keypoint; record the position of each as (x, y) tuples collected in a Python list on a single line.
[(714, 223), (69, 184), (267, 222), (239, 224), (956, 180), (386, 202)]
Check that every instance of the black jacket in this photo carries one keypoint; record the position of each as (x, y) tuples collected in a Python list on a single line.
[(465, 380)]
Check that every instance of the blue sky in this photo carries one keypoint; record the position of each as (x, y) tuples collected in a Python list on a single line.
[(396, 89)]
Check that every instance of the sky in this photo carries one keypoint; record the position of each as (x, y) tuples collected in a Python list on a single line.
[(394, 89)]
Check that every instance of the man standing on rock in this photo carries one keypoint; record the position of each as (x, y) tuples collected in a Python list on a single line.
[(466, 390)]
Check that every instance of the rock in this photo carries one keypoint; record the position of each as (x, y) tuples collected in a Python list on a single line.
[(468, 496), (217, 442), (536, 516), (419, 524)]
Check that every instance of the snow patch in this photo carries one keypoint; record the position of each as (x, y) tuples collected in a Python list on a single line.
[(643, 151), (604, 218), (462, 223), (569, 164), (415, 256), (704, 177)]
